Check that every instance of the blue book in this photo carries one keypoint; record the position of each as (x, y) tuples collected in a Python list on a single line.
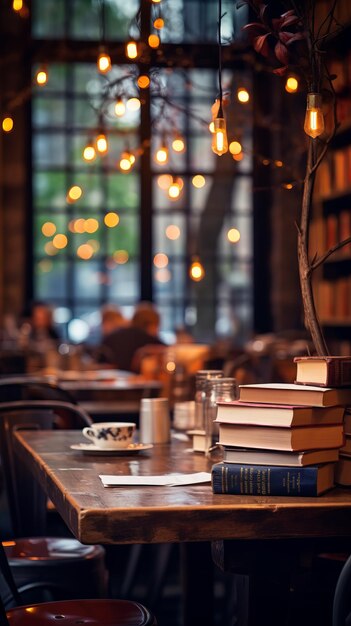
[(266, 480)]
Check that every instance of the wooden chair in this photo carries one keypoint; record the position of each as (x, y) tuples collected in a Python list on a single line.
[(16, 388), (72, 569), (100, 612)]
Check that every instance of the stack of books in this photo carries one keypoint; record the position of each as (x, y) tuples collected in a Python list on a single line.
[(284, 439), (343, 466)]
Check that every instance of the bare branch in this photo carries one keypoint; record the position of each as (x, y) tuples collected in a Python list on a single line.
[(331, 251)]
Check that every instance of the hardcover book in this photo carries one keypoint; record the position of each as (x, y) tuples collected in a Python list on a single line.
[(343, 471), (284, 415), (263, 480), (272, 438), (232, 454), (295, 394), (327, 371)]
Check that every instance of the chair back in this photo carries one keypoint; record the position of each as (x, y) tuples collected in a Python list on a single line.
[(15, 388), (26, 500)]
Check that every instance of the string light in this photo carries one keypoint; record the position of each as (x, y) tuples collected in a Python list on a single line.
[(314, 120), (104, 62), (132, 50), (159, 23), (243, 95), (7, 124), (41, 77), (120, 107), (235, 147), (178, 144), (196, 271), (161, 156), (127, 160), (292, 84), (89, 152), (101, 143), (143, 81), (175, 188), (17, 5), (133, 104), (153, 41), (198, 181), (233, 235)]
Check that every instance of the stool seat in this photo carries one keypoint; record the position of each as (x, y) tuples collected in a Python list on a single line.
[(72, 612)]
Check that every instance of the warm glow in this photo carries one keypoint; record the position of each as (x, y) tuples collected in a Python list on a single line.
[(175, 189), (121, 257), (89, 153), (91, 225), (198, 181), (278, 163), (79, 225), (101, 143), (74, 193), (60, 241), (111, 220), (170, 366), (143, 81), (196, 271), (243, 95), (291, 84), (154, 41), (50, 248), (126, 161), (133, 104), (178, 144), (164, 181), (288, 186), (219, 137), (8, 544), (104, 63), (211, 127), (233, 235), (85, 251), (235, 147), (159, 23), (160, 260), (266, 161), (48, 229), (7, 124), (41, 77), (314, 120), (161, 155), (17, 5), (120, 108), (163, 275), (131, 50), (173, 232), (94, 244), (238, 157)]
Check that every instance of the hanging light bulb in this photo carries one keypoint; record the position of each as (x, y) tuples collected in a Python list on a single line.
[(219, 136), (41, 77), (104, 62), (7, 124), (161, 155), (175, 188), (89, 152), (132, 49), (178, 144), (120, 107), (292, 84), (17, 5), (196, 271), (126, 161), (101, 143), (314, 120)]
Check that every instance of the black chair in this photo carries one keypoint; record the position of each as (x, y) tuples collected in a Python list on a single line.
[(97, 612), (342, 597), (76, 570), (25, 387)]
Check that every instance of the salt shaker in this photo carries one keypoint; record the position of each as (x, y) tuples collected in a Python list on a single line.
[(201, 378), (217, 390)]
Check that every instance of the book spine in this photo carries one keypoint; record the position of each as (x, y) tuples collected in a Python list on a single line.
[(339, 373), (264, 480)]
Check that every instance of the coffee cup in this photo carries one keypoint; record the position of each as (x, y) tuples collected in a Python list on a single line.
[(115, 435)]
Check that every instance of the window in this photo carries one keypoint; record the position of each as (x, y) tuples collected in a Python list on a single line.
[(105, 235)]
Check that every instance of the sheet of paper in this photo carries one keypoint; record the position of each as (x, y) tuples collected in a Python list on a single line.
[(170, 480)]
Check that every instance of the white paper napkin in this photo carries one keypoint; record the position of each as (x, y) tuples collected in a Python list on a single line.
[(169, 480)]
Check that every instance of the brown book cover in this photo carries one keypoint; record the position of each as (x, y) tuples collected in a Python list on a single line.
[(324, 371), (283, 415), (292, 393)]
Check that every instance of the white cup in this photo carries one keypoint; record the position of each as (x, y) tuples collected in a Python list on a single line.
[(116, 435), (155, 422)]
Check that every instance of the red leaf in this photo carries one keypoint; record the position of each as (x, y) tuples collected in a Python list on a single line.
[(263, 13), (285, 36), (261, 45), (288, 13), (281, 53), (290, 21), (296, 37), (254, 29), (280, 71)]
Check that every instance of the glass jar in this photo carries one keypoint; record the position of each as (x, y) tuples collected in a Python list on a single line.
[(201, 378), (217, 390)]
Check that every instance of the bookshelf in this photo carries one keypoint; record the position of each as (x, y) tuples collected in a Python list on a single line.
[(331, 220)]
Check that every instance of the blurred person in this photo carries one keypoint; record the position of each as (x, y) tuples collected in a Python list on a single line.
[(120, 346), (111, 319), (41, 323)]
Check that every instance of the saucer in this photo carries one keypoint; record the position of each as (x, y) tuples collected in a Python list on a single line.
[(90, 448)]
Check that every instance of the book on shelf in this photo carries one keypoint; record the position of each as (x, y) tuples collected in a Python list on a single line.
[(277, 438), (327, 371), (253, 456), (347, 421), (283, 415), (292, 393), (346, 448), (343, 470), (264, 480)]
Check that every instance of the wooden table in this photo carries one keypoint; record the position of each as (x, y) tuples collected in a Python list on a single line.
[(127, 515)]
